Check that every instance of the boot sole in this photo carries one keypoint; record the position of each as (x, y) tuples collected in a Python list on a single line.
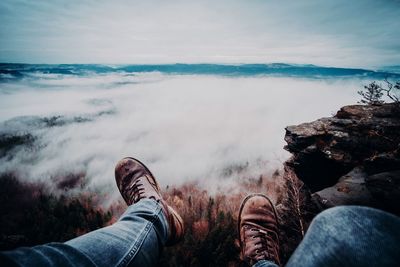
[(179, 219)]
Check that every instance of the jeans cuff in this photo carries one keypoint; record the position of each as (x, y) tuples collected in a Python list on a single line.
[(265, 263)]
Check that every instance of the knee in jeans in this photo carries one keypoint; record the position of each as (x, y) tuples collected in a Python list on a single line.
[(332, 215)]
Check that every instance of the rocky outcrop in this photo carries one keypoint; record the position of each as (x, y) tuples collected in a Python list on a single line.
[(350, 158)]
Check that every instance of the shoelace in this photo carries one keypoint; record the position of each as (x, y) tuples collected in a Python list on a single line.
[(135, 191), (264, 243)]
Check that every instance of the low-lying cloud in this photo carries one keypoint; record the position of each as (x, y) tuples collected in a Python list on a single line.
[(184, 127)]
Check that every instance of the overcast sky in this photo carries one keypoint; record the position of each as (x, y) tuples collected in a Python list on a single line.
[(335, 33)]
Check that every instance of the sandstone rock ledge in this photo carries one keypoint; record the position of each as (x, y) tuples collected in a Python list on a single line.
[(350, 158)]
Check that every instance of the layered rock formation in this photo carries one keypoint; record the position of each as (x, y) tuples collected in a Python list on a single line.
[(350, 158)]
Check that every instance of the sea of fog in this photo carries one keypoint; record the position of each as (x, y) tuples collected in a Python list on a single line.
[(185, 127)]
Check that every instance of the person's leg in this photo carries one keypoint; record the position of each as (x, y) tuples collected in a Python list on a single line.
[(135, 240), (350, 236), (341, 236)]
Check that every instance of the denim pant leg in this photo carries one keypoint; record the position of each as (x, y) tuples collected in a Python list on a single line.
[(135, 240), (265, 263), (350, 236)]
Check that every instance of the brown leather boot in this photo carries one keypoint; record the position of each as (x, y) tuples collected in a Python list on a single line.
[(135, 182), (258, 230)]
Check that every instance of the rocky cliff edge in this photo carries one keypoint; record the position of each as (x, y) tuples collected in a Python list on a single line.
[(350, 158)]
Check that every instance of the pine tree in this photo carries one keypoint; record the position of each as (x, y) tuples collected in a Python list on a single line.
[(372, 94)]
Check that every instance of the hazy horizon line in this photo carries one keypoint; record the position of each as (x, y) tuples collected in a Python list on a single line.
[(371, 68)]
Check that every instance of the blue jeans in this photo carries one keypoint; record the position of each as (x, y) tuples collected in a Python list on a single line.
[(136, 239), (348, 236), (342, 236)]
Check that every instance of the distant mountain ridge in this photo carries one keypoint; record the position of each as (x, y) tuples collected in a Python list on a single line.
[(12, 71)]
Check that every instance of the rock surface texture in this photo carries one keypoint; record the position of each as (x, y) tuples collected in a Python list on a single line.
[(350, 158)]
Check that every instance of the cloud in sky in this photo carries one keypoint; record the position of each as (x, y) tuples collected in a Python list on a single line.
[(339, 33)]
